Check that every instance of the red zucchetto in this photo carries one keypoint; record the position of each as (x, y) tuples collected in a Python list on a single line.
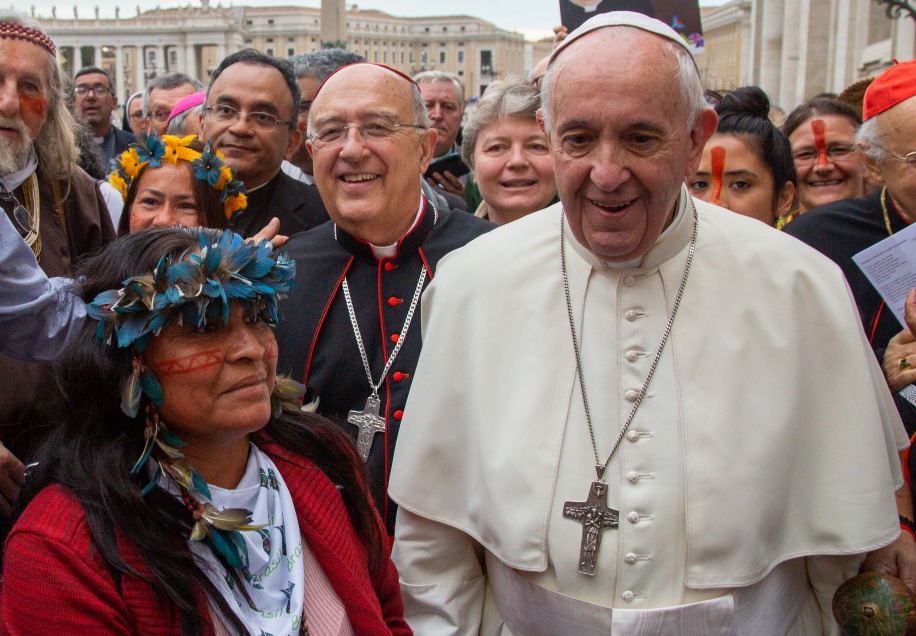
[(893, 86)]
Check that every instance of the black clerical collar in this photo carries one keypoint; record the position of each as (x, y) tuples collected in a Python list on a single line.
[(407, 245)]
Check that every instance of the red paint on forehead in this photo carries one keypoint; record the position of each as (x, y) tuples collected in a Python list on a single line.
[(818, 128), (29, 105), (718, 167)]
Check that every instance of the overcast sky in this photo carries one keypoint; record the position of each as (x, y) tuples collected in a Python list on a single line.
[(534, 18)]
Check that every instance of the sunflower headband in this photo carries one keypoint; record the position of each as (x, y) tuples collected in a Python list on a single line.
[(208, 166)]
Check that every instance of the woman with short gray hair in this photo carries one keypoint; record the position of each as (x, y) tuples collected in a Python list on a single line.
[(509, 153)]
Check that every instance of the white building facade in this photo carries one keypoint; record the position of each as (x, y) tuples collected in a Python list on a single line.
[(194, 39)]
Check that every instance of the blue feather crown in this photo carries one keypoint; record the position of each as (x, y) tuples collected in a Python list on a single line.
[(196, 288)]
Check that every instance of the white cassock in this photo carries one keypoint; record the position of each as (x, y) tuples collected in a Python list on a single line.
[(759, 468)]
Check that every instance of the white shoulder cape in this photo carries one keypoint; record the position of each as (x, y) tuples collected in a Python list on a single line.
[(785, 412)]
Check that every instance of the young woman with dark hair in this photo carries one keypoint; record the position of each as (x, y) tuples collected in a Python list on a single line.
[(183, 489), (747, 165)]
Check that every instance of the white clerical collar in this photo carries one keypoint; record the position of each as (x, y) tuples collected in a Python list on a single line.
[(388, 251), (670, 242), (13, 180)]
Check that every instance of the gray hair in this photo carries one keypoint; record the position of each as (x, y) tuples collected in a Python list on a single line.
[(688, 80), (176, 125), (55, 144), (868, 141), (321, 63), (167, 83), (436, 77), (512, 98)]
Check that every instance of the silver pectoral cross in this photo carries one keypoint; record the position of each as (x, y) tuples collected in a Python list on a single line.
[(369, 422), (595, 516)]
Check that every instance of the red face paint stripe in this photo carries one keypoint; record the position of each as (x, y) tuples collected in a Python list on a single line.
[(718, 167), (820, 141), (37, 106), (189, 364)]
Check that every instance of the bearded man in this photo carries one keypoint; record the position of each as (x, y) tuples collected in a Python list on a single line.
[(55, 206)]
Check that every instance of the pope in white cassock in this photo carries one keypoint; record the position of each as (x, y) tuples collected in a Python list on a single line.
[(637, 413)]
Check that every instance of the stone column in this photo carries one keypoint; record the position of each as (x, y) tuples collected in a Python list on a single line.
[(190, 61), (333, 21), (160, 60), (97, 56), (220, 50), (139, 67), (120, 88)]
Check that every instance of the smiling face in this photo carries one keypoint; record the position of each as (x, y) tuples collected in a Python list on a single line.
[(217, 380), (94, 107), (370, 186), (255, 156), (822, 182), (165, 198), (621, 140), (513, 168), (746, 182), (24, 87)]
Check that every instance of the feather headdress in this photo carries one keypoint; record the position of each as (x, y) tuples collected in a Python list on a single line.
[(197, 288)]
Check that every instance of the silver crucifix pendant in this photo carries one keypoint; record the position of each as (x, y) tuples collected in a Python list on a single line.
[(595, 516), (369, 422)]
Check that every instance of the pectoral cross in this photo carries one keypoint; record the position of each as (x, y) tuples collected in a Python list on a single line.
[(595, 515), (369, 422)]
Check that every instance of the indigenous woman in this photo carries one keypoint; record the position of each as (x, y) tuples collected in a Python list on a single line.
[(508, 152), (747, 165), (822, 132), (172, 181), (183, 489)]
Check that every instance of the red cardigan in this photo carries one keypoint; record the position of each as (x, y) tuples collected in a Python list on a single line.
[(54, 581)]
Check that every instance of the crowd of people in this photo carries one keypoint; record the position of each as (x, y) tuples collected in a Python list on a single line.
[(314, 350)]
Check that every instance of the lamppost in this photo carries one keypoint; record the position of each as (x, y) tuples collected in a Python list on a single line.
[(895, 8)]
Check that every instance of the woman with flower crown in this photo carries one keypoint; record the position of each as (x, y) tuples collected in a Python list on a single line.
[(183, 489), (168, 181)]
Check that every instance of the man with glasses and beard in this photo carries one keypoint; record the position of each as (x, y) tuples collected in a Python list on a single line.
[(55, 206), (250, 115), (351, 334)]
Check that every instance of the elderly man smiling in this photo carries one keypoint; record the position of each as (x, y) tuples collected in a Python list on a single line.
[(348, 334), (614, 426)]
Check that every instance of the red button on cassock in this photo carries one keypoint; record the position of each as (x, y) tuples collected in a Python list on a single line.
[(397, 376), (395, 337), (389, 266), (393, 301), (398, 414)]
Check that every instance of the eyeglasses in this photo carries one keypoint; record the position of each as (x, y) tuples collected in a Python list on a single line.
[(839, 152), (159, 116), (99, 90), (368, 130), (909, 159), (21, 217), (261, 122)]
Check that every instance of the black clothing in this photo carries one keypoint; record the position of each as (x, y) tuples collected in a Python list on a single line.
[(317, 345), (298, 206), (844, 228)]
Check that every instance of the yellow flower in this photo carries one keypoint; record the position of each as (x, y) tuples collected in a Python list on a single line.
[(119, 184), (176, 148), (234, 203), (225, 176), (131, 164)]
